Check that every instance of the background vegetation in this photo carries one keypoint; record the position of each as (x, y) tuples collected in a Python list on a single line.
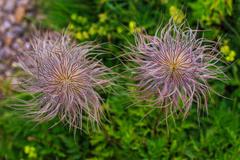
[(129, 133)]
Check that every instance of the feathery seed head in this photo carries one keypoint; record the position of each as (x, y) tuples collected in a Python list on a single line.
[(65, 78), (174, 66)]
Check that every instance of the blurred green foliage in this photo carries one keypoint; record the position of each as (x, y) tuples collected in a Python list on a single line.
[(131, 131)]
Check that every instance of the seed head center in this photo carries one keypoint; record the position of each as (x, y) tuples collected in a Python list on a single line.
[(64, 79), (173, 67)]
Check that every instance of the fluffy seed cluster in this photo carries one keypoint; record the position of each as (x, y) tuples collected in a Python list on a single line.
[(65, 79), (173, 68)]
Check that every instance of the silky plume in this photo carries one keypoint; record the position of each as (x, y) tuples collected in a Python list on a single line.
[(173, 68), (65, 77)]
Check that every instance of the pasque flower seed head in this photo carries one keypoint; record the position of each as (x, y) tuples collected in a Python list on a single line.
[(66, 79), (173, 67)]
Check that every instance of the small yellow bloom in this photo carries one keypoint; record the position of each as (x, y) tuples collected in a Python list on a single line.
[(74, 16), (232, 53), (82, 35), (231, 56), (102, 31), (71, 26), (102, 17), (229, 59), (119, 29), (177, 14), (82, 20), (132, 26), (26, 149), (138, 29), (225, 49), (85, 35), (93, 29), (79, 36), (30, 151)]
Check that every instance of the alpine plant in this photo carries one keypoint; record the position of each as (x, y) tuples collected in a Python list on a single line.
[(173, 68), (65, 79)]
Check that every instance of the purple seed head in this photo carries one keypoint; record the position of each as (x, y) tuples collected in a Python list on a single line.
[(173, 68), (65, 79)]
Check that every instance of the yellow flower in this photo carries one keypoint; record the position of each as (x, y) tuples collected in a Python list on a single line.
[(232, 53), (79, 36), (71, 26), (225, 49), (138, 29), (119, 29), (132, 26), (30, 151), (82, 35), (231, 56), (85, 35), (177, 14), (26, 149), (81, 19), (102, 17), (93, 29), (102, 31), (74, 16)]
